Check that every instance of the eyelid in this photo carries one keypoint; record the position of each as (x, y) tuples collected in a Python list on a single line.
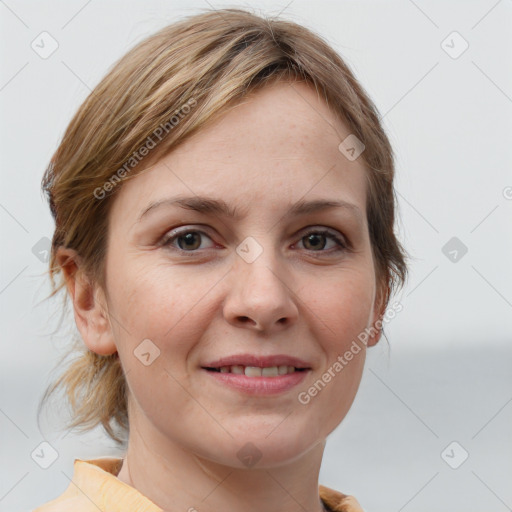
[(181, 231), (338, 238)]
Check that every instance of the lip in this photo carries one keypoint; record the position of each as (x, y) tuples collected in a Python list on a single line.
[(260, 361), (259, 385)]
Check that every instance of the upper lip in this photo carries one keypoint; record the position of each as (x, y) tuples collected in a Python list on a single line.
[(259, 361)]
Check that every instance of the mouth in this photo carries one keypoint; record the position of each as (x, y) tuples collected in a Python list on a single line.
[(258, 375), (256, 371), (252, 365)]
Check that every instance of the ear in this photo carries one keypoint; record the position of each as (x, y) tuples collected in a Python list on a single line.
[(378, 313), (89, 304)]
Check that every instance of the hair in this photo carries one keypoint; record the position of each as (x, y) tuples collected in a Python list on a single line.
[(175, 81)]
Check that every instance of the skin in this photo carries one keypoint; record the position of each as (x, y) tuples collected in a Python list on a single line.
[(310, 301)]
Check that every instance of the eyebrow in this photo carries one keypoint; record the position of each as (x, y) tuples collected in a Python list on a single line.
[(220, 207)]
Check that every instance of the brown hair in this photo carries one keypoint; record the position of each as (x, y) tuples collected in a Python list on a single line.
[(207, 62)]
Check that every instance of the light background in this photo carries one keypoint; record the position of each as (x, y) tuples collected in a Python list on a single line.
[(446, 374)]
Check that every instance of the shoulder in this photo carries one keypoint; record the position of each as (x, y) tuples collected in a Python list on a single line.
[(95, 487), (336, 501), (93, 482)]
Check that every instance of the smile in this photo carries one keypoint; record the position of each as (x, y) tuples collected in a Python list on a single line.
[(255, 371), (253, 380)]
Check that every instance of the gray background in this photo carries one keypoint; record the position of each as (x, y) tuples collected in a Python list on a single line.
[(446, 373)]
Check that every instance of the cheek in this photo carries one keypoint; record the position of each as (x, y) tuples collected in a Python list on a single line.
[(154, 323), (342, 311), (159, 315), (150, 299), (344, 306)]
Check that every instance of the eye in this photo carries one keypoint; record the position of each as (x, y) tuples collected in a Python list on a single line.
[(316, 241), (188, 240)]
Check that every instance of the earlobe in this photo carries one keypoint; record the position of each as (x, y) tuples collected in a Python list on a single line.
[(377, 323), (375, 333), (89, 305)]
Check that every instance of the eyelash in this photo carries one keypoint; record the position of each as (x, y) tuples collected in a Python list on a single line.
[(342, 244)]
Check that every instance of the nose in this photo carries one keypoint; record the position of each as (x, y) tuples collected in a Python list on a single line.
[(260, 296)]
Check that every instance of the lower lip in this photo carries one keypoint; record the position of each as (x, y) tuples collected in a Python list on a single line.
[(260, 385)]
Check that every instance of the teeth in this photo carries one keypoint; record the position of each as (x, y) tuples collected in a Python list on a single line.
[(269, 372), (255, 371), (252, 371), (282, 370)]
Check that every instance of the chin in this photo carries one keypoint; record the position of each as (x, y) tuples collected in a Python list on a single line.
[(264, 448)]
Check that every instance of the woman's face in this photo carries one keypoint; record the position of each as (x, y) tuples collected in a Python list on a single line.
[(189, 286)]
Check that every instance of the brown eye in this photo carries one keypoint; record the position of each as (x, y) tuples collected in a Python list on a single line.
[(191, 241), (314, 241), (317, 240), (185, 240)]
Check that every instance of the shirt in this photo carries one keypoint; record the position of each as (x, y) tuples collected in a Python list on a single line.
[(95, 487)]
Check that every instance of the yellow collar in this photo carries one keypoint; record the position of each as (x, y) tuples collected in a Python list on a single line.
[(95, 486)]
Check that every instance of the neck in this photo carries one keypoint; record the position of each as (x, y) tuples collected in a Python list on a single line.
[(176, 480)]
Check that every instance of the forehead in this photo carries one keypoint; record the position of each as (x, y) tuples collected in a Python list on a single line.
[(282, 120), (278, 145)]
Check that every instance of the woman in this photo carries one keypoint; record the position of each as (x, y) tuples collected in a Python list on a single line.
[(224, 216)]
